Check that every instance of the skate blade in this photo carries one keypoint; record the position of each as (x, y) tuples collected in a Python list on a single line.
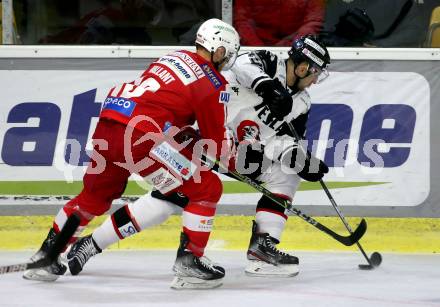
[(180, 283), (40, 275), (263, 269)]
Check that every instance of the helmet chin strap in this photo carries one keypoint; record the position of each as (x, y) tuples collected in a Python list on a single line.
[(294, 87)]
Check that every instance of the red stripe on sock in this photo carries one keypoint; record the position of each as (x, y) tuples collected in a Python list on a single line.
[(201, 208), (116, 228), (133, 220), (197, 241)]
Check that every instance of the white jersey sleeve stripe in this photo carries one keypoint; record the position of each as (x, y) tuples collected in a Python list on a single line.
[(258, 80)]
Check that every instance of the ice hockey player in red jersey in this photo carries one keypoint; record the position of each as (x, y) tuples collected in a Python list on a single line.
[(175, 91)]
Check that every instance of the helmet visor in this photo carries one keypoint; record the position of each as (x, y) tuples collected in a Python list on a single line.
[(320, 73)]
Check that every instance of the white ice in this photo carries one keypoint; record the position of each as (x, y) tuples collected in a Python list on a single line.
[(142, 278)]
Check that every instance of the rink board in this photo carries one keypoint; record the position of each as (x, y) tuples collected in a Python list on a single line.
[(368, 130), (371, 94), (415, 235), (46, 129)]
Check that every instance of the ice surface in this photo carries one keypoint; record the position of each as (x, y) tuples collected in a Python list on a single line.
[(142, 278)]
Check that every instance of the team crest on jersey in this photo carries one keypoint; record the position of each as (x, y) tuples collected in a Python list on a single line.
[(248, 130), (224, 97)]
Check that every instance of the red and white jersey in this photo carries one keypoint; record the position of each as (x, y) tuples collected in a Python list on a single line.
[(180, 89)]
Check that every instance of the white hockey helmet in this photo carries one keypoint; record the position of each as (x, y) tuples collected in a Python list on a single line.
[(215, 33)]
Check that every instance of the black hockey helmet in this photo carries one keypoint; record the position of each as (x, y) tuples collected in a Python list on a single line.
[(309, 48)]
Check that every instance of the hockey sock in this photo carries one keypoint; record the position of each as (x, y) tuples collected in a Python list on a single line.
[(65, 212), (270, 217), (132, 218), (271, 223), (198, 218)]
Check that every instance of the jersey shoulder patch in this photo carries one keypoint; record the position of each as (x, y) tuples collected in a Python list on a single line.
[(224, 97)]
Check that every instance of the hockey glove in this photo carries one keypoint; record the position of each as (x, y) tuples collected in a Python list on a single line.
[(276, 97), (185, 134), (307, 166)]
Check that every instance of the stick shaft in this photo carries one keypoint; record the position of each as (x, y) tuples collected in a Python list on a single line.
[(348, 241), (329, 195)]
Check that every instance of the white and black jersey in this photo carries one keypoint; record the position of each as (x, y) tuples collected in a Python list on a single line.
[(246, 110)]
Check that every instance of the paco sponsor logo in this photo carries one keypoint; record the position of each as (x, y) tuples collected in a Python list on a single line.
[(163, 180), (212, 76), (224, 97), (120, 105), (175, 161)]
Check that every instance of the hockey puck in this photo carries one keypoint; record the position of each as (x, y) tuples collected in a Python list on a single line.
[(375, 260)]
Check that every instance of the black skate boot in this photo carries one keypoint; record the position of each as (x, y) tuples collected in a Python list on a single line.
[(266, 260), (51, 272), (83, 249), (192, 272)]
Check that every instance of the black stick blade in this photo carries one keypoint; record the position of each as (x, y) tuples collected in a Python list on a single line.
[(353, 238), (375, 260), (359, 232), (13, 268), (366, 267), (61, 240)]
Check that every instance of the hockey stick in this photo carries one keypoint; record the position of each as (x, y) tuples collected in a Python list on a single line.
[(376, 258), (348, 241), (61, 240)]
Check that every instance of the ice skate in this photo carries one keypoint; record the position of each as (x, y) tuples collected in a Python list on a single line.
[(265, 260), (193, 272), (51, 272), (84, 249)]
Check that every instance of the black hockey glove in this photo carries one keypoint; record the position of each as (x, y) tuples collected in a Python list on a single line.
[(307, 166), (187, 133), (276, 97)]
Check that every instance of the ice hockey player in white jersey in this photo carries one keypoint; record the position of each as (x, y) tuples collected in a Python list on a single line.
[(265, 92)]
